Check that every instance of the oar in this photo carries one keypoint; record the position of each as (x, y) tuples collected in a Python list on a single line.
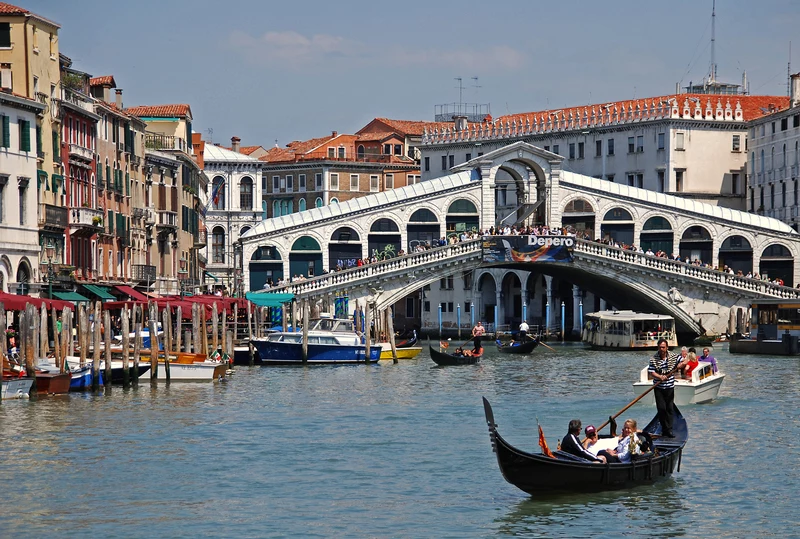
[(637, 399), (553, 349)]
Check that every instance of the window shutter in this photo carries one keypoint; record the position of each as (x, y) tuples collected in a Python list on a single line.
[(108, 177), (25, 136), (127, 184), (110, 221), (100, 177), (6, 133), (56, 146)]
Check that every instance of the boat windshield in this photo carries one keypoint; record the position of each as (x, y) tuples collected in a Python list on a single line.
[(333, 325)]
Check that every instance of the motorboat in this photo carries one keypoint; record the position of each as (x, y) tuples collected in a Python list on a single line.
[(703, 386), (628, 330)]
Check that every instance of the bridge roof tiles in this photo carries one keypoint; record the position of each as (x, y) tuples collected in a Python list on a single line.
[(360, 204), (681, 204)]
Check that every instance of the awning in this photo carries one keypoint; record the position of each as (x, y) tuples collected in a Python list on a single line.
[(211, 275), (70, 296), (99, 291), (131, 293), (269, 300)]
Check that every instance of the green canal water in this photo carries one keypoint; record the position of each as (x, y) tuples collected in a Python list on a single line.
[(390, 451)]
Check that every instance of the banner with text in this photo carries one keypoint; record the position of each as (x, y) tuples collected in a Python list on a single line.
[(497, 249)]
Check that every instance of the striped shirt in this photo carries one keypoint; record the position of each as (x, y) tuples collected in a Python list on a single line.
[(663, 366)]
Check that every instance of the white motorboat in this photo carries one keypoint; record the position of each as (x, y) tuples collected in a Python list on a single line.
[(15, 388), (702, 387), (628, 330)]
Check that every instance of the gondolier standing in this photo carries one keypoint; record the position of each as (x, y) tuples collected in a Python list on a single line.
[(661, 369), (477, 333), (523, 331)]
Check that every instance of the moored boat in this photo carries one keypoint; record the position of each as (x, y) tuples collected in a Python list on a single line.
[(52, 382), (15, 387), (408, 352), (702, 387), (539, 474), (628, 330)]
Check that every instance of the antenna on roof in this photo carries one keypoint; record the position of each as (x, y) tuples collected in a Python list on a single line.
[(713, 74), (460, 89), (789, 72), (475, 84), (210, 132)]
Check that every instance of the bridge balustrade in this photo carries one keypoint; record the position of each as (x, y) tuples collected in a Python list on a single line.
[(682, 268)]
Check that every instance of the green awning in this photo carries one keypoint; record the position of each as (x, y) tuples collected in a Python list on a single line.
[(99, 291), (265, 299), (211, 275), (70, 296)]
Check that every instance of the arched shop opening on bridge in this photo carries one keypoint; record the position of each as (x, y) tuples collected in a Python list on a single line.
[(487, 292), (384, 238), (777, 263), (423, 228), (736, 253), (265, 266), (305, 257), (344, 249), (462, 216), (696, 244), (617, 225), (657, 235), (579, 215)]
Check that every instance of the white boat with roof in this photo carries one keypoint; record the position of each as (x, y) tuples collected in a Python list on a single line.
[(628, 330), (702, 386)]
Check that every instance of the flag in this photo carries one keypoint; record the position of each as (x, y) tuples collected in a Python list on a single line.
[(543, 444), (444, 344)]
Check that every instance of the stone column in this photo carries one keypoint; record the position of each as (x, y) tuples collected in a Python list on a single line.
[(487, 209), (576, 309), (549, 283), (501, 309), (523, 292)]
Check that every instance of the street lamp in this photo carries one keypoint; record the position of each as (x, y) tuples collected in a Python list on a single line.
[(50, 252)]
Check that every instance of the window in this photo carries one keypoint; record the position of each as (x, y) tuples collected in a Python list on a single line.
[(246, 194), (598, 148), (389, 181), (661, 182), (411, 179), (795, 192), (427, 164), (783, 195), (301, 182), (334, 181), (318, 181), (341, 152), (679, 181), (631, 144), (332, 153), (639, 143), (6, 79), (3, 181), (426, 306), (444, 162), (660, 141), (772, 193), (467, 157), (387, 149), (218, 245), (446, 283), (23, 189), (636, 180), (580, 150), (546, 148), (289, 183), (5, 35), (610, 177), (318, 203), (572, 150), (736, 145), (784, 124), (773, 128), (5, 134), (679, 143), (452, 160), (555, 149), (610, 146), (354, 182), (374, 185), (398, 149), (24, 136), (301, 205), (276, 184)]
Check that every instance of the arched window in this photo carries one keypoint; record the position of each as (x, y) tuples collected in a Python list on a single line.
[(763, 164), (423, 215), (246, 193), (318, 202), (218, 245), (784, 155), (360, 151), (289, 207), (301, 205), (244, 230), (334, 200), (23, 279), (218, 193)]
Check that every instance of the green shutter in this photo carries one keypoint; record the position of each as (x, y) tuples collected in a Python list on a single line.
[(100, 177), (108, 178), (127, 184), (39, 150), (25, 136), (6, 133), (110, 221), (56, 146)]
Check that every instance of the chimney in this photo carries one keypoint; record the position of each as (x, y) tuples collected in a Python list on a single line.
[(460, 123), (235, 144), (794, 96), (334, 134), (119, 98)]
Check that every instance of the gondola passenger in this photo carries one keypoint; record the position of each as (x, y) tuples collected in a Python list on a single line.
[(630, 444), (572, 445)]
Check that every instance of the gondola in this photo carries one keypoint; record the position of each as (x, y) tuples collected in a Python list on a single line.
[(540, 474), (518, 348), (406, 343), (441, 358)]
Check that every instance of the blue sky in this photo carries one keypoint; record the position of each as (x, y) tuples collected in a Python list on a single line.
[(264, 70)]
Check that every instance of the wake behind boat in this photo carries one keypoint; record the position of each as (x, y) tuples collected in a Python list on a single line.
[(540, 474)]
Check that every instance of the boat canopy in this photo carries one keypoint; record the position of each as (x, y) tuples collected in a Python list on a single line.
[(269, 300)]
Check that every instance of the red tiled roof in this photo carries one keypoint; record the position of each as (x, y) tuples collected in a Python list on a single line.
[(247, 150), (409, 127), (8, 9), (161, 111), (378, 136), (114, 108), (753, 106), (277, 154), (103, 81)]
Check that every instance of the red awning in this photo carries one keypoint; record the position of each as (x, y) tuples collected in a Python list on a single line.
[(13, 302), (131, 293)]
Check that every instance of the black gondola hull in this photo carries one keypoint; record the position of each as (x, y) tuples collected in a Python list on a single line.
[(440, 358), (523, 348), (540, 474)]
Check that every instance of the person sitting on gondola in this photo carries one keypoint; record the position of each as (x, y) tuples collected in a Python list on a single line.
[(572, 445), (476, 352), (630, 444), (459, 352)]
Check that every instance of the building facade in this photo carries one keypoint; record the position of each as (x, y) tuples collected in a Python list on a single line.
[(19, 231)]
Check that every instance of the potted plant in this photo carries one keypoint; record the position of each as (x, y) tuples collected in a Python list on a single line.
[(97, 220)]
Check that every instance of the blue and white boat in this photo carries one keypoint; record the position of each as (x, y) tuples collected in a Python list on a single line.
[(330, 341), (81, 374)]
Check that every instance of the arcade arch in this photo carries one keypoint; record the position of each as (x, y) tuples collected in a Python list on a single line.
[(657, 235), (462, 216), (777, 263), (423, 227), (579, 215), (344, 249), (736, 253), (305, 258), (266, 266), (384, 237), (696, 244), (617, 225)]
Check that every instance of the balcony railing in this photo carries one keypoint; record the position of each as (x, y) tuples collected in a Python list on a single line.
[(85, 217), (143, 272), (53, 216), (76, 150), (167, 219), (200, 239), (156, 141)]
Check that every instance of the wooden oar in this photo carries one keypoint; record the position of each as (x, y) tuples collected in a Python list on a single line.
[(553, 349), (637, 399)]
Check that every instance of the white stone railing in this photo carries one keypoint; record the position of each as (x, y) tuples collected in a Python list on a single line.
[(708, 275), (406, 264)]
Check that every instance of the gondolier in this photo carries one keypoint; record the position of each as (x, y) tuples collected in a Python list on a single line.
[(523, 331), (661, 371), (477, 333)]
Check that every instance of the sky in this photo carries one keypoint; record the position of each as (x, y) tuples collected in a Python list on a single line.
[(273, 72)]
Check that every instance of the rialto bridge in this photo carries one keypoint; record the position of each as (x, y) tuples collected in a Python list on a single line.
[(524, 184)]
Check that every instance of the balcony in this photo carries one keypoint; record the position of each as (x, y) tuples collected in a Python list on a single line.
[(53, 217), (156, 141), (167, 219), (79, 152), (143, 273), (85, 221), (200, 239)]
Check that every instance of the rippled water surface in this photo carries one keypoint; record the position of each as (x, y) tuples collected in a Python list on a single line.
[(390, 451)]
